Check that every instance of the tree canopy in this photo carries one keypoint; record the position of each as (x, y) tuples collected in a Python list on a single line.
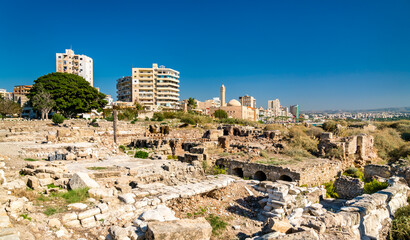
[(191, 103), (220, 114), (8, 107), (72, 94), (43, 102)]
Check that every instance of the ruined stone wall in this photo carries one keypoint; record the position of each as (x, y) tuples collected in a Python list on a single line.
[(314, 174)]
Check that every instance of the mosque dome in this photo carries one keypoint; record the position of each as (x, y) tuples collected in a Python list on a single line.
[(234, 103)]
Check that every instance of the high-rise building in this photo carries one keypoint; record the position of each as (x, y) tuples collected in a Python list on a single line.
[(125, 91), (223, 96), (294, 109), (248, 101), (274, 107), (156, 86), (80, 65)]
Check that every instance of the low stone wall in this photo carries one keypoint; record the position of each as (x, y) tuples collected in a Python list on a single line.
[(321, 171)]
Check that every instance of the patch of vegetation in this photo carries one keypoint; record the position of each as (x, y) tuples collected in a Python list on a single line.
[(374, 186), (31, 160), (401, 224), (58, 118), (264, 154), (172, 157), (217, 223), (277, 161), (51, 185), (53, 210), (205, 165), (75, 195), (122, 148), (354, 173), (200, 212), (25, 216), (218, 170), (297, 153), (141, 154), (330, 190), (220, 114), (334, 152)]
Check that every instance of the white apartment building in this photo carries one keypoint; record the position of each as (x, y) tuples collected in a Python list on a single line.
[(151, 87), (274, 107), (248, 101), (80, 65)]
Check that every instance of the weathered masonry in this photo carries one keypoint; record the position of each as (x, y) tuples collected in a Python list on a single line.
[(314, 173)]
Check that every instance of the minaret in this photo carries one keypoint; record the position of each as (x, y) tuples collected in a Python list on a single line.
[(222, 95)]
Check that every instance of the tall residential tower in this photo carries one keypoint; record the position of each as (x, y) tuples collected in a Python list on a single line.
[(80, 65), (151, 87)]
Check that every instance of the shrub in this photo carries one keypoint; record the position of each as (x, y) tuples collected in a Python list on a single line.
[(122, 148), (158, 117), (141, 154), (58, 118), (330, 190), (218, 170), (109, 118), (220, 114), (334, 152), (354, 173), (296, 152), (218, 225), (314, 132), (387, 141), (134, 121), (400, 229), (329, 126), (374, 186), (188, 120)]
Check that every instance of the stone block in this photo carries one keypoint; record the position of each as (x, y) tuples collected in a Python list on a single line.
[(69, 217), (82, 180), (89, 213), (46, 181), (88, 222), (198, 229)]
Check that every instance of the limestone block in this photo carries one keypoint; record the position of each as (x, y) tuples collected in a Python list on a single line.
[(44, 182), (32, 182), (82, 180), (88, 222), (103, 207), (73, 224), (88, 214), (198, 229), (69, 217), (276, 225), (54, 223), (77, 206), (127, 198)]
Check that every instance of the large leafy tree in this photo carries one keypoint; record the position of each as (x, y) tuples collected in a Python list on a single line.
[(43, 102), (7, 106), (72, 94)]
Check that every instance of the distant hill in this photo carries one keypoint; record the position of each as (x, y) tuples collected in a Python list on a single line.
[(392, 109)]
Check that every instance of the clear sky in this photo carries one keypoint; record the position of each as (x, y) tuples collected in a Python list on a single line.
[(318, 54)]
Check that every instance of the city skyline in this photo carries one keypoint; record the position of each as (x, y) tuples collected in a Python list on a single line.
[(318, 55)]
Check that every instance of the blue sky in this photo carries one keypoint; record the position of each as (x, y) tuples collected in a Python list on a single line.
[(318, 54)]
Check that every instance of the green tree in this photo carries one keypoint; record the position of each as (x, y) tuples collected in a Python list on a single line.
[(138, 106), (8, 107), (43, 102), (191, 103), (72, 94), (220, 114)]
